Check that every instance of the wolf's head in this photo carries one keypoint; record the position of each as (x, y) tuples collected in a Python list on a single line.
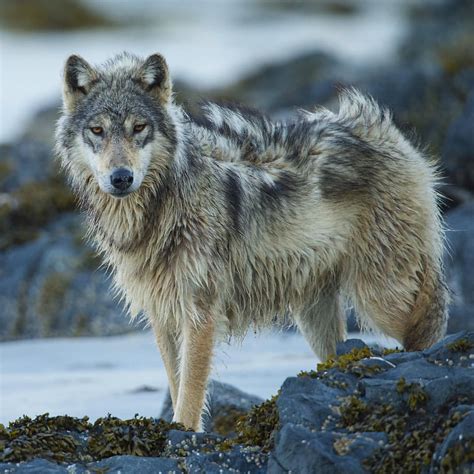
[(116, 120)]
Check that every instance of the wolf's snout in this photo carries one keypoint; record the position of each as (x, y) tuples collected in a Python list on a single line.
[(121, 179)]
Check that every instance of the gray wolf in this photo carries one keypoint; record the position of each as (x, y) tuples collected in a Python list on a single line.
[(214, 225)]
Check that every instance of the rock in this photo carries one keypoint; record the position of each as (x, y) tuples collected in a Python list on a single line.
[(380, 391), (226, 404), (401, 357), (459, 386), (184, 442), (52, 287), (38, 15), (25, 162), (36, 466), (453, 350), (306, 401), (312, 77), (459, 264), (456, 452), (142, 465), (238, 459), (347, 346), (415, 370), (458, 148), (300, 450)]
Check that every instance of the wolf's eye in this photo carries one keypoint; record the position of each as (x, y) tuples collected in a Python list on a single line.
[(139, 127), (97, 130)]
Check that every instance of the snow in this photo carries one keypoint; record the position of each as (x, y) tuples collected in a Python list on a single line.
[(96, 376)]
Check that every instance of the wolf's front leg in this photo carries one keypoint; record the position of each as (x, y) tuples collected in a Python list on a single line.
[(166, 339), (195, 360)]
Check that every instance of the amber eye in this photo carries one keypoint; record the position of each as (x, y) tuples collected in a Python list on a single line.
[(139, 127), (97, 130)]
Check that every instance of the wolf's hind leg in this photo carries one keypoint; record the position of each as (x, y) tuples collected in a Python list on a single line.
[(195, 362), (323, 323), (415, 316)]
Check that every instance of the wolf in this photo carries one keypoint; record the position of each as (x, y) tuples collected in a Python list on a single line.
[(214, 224)]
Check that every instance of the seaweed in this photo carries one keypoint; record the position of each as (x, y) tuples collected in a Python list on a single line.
[(416, 395), (69, 439), (461, 345)]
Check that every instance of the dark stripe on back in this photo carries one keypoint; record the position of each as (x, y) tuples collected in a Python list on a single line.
[(234, 194), (285, 186)]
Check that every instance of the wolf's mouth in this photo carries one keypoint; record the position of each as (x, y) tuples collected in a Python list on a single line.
[(120, 194)]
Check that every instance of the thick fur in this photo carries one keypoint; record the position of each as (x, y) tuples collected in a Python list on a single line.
[(239, 221)]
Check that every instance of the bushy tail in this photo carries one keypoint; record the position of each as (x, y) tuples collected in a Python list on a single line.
[(368, 120)]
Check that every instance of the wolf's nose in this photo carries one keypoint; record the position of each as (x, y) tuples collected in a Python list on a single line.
[(121, 179)]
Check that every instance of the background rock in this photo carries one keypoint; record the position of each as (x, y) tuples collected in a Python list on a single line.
[(460, 266), (52, 287)]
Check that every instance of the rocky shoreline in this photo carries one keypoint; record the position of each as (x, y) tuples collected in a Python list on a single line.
[(366, 410)]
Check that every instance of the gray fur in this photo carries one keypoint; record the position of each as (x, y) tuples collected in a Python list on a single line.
[(237, 221)]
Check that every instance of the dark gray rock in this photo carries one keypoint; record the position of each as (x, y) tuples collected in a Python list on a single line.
[(35, 466), (135, 464), (27, 161), (347, 346), (237, 460), (371, 367), (180, 442), (442, 349), (380, 391), (415, 371), (456, 351), (30, 159), (458, 148), (225, 404), (52, 286), (459, 440), (459, 265), (397, 358), (457, 387), (312, 77), (306, 401), (303, 451), (362, 445)]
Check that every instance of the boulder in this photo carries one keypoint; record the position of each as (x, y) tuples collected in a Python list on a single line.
[(52, 286), (225, 405), (459, 264), (458, 148)]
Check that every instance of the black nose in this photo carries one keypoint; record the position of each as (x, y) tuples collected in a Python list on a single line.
[(121, 179)]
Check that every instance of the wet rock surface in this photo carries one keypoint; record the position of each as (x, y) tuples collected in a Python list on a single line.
[(367, 410)]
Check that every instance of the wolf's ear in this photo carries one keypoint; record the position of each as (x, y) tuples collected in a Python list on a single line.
[(155, 77), (79, 77)]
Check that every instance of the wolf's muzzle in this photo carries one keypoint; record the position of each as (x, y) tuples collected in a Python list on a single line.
[(121, 179)]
